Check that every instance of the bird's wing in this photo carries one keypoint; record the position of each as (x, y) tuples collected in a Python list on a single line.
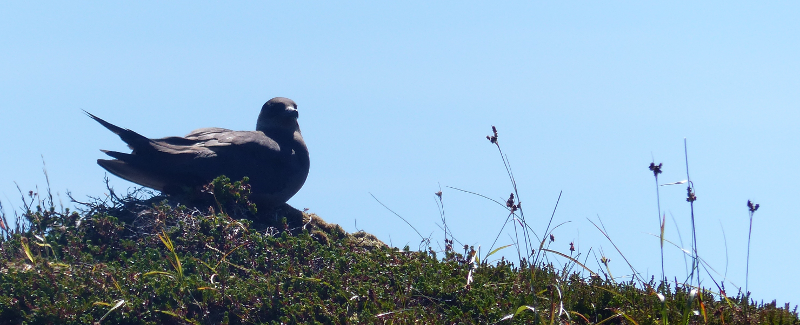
[(207, 142), (204, 133), (218, 137)]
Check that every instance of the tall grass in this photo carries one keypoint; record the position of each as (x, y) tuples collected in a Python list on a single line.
[(751, 207), (146, 260)]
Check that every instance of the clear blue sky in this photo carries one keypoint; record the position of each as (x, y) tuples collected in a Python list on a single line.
[(396, 99)]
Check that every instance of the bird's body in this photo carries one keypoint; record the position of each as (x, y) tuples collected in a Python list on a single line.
[(274, 157)]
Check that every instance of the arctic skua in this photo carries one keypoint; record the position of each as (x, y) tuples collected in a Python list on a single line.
[(274, 156)]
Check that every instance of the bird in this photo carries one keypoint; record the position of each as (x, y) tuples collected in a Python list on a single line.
[(274, 157)]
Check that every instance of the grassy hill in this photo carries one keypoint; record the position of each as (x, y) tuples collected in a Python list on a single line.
[(141, 259)]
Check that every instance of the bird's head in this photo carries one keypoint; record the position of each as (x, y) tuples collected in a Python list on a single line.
[(279, 113)]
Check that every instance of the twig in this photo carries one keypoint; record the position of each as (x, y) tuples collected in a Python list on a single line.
[(395, 213)]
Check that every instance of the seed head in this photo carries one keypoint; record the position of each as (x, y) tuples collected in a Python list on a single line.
[(690, 197), (510, 204), (510, 201), (751, 206), (655, 168), (493, 138)]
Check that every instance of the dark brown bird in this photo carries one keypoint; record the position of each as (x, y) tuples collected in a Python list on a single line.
[(274, 157)]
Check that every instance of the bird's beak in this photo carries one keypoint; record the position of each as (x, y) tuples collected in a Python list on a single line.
[(290, 111)]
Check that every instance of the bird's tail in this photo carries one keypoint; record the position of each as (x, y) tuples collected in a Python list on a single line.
[(126, 171), (135, 141)]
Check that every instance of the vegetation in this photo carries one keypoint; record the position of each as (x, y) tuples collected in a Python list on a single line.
[(144, 259)]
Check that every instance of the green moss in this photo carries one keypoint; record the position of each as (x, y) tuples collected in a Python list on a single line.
[(233, 273)]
